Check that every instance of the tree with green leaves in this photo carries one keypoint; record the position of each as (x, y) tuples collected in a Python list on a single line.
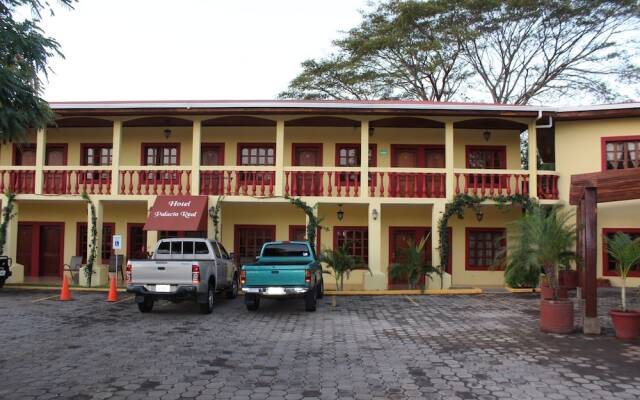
[(514, 51), (626, 252), (24, 53), (413, 265), (341, 264)]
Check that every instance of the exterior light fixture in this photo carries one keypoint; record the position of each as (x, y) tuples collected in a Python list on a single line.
[(486, 135), (479, 216), (374, 214), (167, 133), (372, 130), (340, 212)]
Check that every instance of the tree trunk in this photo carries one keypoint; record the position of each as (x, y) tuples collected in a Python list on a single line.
[(552, 276), (624, 294)]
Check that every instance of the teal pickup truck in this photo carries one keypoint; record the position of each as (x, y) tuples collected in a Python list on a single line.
[(283, 270)]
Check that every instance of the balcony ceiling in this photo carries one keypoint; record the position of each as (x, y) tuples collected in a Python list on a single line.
[(405, 122), (238, 120), (323, 121), (158, 121), (490, 123), (81, 122)]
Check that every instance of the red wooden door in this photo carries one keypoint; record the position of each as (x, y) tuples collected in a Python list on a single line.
[(248, 241), (25, 248), (400, 238), (405, 184), (308, 183), (55, 156), (136, 242), (50, 250)]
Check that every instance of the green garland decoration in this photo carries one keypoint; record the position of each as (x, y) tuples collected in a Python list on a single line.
[(7, 215), (214, 213), (94, 235), (458, 206), (314, 222)]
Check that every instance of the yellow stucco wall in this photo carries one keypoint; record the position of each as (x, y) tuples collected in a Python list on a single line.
[(134, 137), (465, 137), (233, 135), (586, 136)]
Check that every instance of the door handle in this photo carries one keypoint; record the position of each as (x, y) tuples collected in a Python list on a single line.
[(273, 271), (162, 268)]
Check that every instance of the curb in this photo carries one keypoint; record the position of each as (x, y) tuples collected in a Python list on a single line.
[(402, 292), (523, 290), (57, 288)]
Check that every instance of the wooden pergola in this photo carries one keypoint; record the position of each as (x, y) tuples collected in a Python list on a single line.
[(587, 190)]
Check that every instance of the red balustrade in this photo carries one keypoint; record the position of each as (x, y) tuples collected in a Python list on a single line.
[(155, 182), (17, 181), (237, 183), (407, 184), (489, 185), (322, 183), (74, 182), (548, 187)]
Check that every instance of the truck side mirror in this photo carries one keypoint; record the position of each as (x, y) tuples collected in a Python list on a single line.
[(232, 256), (258, 258)]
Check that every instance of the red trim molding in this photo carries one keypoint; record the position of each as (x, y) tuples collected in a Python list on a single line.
[(63, 146), (502, 149), (241, 146), (373, 148), (297, 146), (605, 252), (144, 146), (85, 146), (420, 152), (219, 146)]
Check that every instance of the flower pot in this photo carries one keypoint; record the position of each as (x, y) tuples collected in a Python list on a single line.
[(626, 324), (556, 316), (546, 293), (569, 279)]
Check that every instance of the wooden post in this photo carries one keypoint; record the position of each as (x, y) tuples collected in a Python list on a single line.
[(591, 324), (580, 248)]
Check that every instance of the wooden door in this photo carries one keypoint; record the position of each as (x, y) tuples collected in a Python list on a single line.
[(248, 241), (55, 156), (434, 157), (400, 239), (136, 242), (307, 183), (25, 248), (404, 185), (50, 250), (297, 233)]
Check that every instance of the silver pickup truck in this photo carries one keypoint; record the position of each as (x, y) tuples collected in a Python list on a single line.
[(183, 269)]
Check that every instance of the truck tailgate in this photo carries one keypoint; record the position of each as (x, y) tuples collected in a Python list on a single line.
[(163, 272), (275, 275)]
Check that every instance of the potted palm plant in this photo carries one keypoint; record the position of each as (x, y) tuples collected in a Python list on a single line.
[(626, 253), (413, 266), (542, 239), (341, 264)]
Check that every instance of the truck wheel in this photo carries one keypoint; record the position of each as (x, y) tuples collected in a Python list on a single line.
[(310, 299), (207, 308), (146, 306), (252, 301), (321, 290), (232, 292), (1, 283)]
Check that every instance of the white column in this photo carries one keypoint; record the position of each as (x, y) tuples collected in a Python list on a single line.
[(195, 156), (100, 271), (152, 236), (41, 145), (279, 183), (364, 159), (11, 244), (533, 160), (437, 211), (449, 146), (376, 280), (115, 157)]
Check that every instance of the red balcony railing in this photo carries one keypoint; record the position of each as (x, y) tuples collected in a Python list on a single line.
[(492, 184), (76, 182), (407, 184), (322, 183), (17, 181), (548, 187), (237, 183), (155, 182)]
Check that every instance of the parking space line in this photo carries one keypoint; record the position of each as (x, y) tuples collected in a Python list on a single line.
[(411, 300), (45, 298)]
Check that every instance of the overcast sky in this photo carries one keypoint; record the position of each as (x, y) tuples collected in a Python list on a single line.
[(189, 49)]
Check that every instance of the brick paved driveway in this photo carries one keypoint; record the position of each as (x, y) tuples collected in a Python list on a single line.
[(438, 347)]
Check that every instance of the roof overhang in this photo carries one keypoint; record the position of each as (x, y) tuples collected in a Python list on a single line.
[(612, 185)]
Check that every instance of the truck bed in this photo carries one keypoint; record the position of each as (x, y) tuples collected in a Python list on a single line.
[(277, 272), (176, 272)]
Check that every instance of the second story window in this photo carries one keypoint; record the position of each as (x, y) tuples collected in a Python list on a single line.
[(621, 153), (97, 154), (25, 154), (161, 154), (256, 154), (212, 154), (348, 155), (486, 157), (417, 156)]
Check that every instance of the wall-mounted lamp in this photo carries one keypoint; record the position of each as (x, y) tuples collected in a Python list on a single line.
[(374, 214), (479, 216), (167, 133), (372, 130), (486, 135), (340, 212)]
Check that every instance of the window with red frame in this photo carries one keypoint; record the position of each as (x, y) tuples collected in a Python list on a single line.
[(108, 230), (487, 157), (212, 154), (97, 154), (348, 155), (609, 264), (354, 239), (160, 154), (483, 245), (256, 154), (621, 153)]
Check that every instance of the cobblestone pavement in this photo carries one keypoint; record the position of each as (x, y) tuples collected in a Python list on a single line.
[(432, 347)]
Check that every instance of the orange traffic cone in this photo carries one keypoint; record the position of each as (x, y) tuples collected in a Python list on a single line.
[(65, 293), (113, 293)]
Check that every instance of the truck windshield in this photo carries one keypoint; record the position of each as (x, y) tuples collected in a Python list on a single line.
[(286, 250)]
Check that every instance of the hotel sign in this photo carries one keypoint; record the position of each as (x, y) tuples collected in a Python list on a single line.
[(178, 213)]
